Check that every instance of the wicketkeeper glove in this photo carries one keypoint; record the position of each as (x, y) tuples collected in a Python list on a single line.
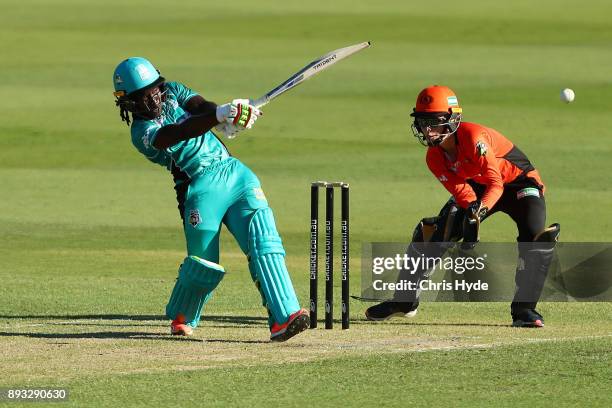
[(474, 213)]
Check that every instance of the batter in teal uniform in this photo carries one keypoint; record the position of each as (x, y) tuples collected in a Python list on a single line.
[(171, 126)]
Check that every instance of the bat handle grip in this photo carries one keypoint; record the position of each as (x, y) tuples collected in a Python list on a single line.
[(258, 103)]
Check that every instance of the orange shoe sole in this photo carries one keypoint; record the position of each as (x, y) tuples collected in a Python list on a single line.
[(181, 330)]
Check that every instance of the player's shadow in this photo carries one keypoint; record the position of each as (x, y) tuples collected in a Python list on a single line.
[(220, 319), (123, 320), (100, 335), (237, 341), (125, 336), (407, 322)]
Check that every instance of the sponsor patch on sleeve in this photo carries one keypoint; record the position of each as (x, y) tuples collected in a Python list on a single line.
[(149, 134), (259, 194), (481, 148)]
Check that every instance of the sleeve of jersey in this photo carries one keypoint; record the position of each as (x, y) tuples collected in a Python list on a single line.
[(461, 191), (183, 93), (143, 137), (483, 154)]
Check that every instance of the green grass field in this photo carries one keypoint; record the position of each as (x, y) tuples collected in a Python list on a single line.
[(90, 238)]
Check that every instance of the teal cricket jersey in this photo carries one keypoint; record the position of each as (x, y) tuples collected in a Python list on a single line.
[(189, 156)]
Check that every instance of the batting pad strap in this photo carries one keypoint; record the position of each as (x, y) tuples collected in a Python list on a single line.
[(200, 273), (267, 264), (196, 281), (550, 234)]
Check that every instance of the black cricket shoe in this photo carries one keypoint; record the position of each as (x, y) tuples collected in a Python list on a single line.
[(527, 318), (387, 310)]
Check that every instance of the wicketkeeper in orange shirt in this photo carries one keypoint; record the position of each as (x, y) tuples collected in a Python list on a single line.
[(485, 173)]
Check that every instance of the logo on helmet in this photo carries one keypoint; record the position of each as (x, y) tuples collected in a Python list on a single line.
[(452, 101), (143, 72), (426, 99), (118, 79)]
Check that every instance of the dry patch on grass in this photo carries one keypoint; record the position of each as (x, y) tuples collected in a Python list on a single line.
[(39, 351)]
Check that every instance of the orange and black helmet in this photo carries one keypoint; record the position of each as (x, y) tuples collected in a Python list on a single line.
[(436, 106)]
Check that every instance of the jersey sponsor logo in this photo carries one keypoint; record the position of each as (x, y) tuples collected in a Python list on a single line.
[(527, 192), (442, 178), (481, 148), (194, 218)]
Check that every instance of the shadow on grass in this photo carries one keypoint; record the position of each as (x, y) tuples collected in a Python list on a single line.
[(101, 335), (126, 336), (407, 322), (238, 341), (237, 320), (245, 320)]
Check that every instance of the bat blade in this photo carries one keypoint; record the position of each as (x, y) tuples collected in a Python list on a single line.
[(310, 70)]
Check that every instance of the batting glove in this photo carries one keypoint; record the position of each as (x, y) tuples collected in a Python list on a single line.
[(228, 130), (239, 113)]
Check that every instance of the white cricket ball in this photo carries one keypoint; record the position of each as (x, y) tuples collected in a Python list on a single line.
[(567, 95)]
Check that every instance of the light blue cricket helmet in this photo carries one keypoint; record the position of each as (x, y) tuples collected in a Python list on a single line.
[(134, 74)]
